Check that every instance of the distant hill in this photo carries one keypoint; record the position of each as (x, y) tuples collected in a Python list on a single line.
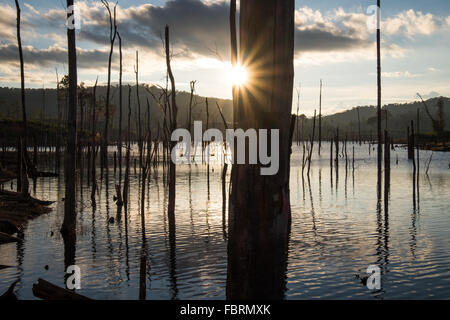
[(399, 117), (43, 105)]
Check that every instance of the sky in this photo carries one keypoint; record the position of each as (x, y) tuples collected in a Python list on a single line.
[(334, 41)]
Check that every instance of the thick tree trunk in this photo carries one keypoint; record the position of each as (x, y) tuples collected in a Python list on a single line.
[(259, 220)]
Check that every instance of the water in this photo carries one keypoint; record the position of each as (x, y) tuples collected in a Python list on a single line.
[(337, 232)]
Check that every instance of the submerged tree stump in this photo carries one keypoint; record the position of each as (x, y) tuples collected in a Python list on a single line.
[(48, 291), (16, 210)]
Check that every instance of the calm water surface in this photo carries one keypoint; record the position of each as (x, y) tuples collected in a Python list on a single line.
[(338, 230)]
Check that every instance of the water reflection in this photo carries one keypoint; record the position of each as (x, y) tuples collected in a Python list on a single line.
[(333, 235)]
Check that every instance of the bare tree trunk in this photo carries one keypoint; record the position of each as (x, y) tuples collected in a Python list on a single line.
[(112, 38), (320, 118), (69, 223), (94, 143), (189, 122), (312, 143), (359, 126), (380, 151), (23, 184), (120, 111), (136, 71), (126, 184), (298, 110), (173, 125), (259, 220)]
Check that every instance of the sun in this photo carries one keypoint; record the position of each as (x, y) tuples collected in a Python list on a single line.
[(239, 75)]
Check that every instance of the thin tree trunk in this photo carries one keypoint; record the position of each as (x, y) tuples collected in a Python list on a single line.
[(112, 38), (173, 126), (380, 151), (312, 143), (126, 185), (359, 126), (136, 71), (298, 110), (189, 122), (320, 118), (120, 111), (94, 143), (23, 144)]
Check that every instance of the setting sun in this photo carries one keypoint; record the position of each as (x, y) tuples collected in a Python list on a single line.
[(239, 75)]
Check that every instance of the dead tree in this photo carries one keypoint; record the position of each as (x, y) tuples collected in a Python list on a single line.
[(22, 179), (120, 110), (138, 118), (380, 151), (69, 223), (225, 165), (191, 100), (119, 201), (320, 118), (312, 143), (173, 125), (259, 213), (94, 142), (112, 39), (298, 110), (359, 126), (126, 184)]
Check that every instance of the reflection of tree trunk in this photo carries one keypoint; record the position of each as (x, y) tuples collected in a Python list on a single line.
[(259, 205)]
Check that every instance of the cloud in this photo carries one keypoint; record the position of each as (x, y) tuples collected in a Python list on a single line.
[(410, 23), (201, 28), (399, 74), (87, 59), (338, 31), (7, 23)]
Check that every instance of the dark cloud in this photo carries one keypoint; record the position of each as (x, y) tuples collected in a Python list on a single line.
[(315, 39), (200, 28), (88, 59), (197, 28)]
